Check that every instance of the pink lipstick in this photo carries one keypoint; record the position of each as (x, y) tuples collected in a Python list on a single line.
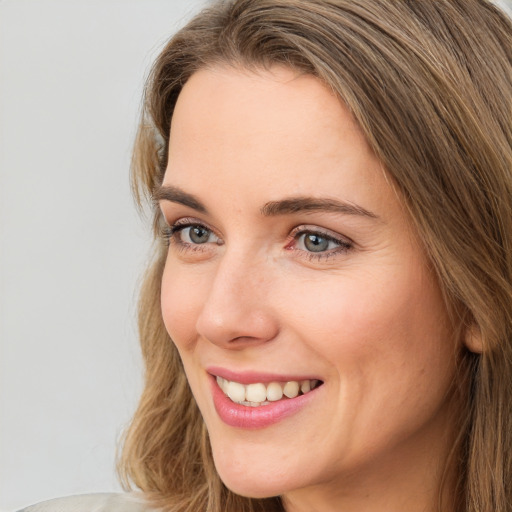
[(258, 400)]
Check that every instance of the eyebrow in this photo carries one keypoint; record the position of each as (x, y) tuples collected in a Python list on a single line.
[(311, 204), (290, 205), (176, 195)]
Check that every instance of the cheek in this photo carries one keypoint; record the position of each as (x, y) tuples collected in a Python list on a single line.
[(181, 299), (388, 326), (388, 355)]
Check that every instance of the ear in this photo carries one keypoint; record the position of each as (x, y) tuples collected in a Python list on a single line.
[(473, 339)]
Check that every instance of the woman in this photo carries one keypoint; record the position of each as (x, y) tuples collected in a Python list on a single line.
[(333, 180), (331, 183)]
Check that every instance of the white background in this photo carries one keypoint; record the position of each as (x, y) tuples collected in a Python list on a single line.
[(71, 245)]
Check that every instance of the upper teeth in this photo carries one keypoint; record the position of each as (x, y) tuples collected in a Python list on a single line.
[(262, 394)]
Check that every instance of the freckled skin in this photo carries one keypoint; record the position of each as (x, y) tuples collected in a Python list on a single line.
[(368, 321)]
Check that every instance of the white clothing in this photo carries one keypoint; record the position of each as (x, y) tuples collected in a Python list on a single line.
[(92, 503)]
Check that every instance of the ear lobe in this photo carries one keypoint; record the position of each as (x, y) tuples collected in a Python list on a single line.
[(473, 339)]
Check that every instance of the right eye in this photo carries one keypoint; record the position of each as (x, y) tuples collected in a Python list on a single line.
[(193, 234)]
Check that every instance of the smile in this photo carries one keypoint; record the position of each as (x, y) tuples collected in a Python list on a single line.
[(253, 400), (261, 394)]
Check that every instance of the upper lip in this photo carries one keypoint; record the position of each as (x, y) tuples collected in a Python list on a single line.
[(252, 377)]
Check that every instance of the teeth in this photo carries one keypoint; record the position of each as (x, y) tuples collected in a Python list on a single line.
[(256, 392), (291, 389), (305, 386), (236, 391), (254, 395), (254, 404), (274, 392)]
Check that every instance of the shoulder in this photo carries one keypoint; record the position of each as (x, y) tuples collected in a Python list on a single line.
[(92, 503)]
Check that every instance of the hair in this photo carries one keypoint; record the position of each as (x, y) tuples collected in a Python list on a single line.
[(430, 84)]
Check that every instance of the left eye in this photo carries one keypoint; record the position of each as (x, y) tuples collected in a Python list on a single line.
[(196, 234), (315, 242)]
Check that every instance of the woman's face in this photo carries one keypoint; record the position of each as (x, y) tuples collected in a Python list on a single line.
[(292, 265)]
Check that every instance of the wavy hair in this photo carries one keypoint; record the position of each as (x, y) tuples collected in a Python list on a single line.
[(430, 84)]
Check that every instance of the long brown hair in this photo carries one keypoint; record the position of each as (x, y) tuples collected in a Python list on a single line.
[(430, 83)]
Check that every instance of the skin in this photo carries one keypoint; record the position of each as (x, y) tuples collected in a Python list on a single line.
[(366, 316)]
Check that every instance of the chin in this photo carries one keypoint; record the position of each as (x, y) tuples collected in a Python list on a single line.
[(248, 487), (250, 481)]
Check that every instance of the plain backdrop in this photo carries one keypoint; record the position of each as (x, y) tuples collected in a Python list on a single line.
[(72, 247)]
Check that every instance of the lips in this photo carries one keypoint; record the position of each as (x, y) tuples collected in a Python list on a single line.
[(251, 400)]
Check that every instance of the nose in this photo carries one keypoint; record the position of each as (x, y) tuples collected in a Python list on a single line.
[(237, 312)]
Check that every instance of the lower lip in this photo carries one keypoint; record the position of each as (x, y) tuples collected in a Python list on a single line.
[(242, 416)]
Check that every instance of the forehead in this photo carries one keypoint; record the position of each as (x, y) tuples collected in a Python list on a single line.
[(269, 132), (276, 105)]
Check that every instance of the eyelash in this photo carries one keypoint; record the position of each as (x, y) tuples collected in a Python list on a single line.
[(170, 236), (343, 245)]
